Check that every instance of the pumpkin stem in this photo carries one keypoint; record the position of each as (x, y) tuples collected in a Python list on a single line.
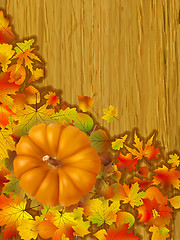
[(53, 161)]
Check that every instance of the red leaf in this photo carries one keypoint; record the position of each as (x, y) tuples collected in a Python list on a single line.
[(126, 162), (3, 179), (5, 112), (142, 183), (143, 171)]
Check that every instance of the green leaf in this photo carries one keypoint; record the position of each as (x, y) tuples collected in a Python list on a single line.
[(119, 143), (99, 140), (69, 114), (13, 186), (84, 122), (23, 46)]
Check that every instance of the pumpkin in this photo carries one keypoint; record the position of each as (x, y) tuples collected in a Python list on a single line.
[(56, 164)]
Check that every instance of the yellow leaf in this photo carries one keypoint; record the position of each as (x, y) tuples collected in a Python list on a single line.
[(159, 234), (100, 234), (85, 103), (174, 160), (28, 228), (36, 75), (116, 145), (6, 53), (6, 34), (110, 114), (175, 202), (6, 143)]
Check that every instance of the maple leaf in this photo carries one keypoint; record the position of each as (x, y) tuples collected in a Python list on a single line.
[(120, 233), (167, 177), (143, 171), (85, 103), (154, 213), (125, 218), (6, 89), (63, 221), (110, 114), (28, 228), (52, 99), (129, 195), (126, 162), (143, 183), (175, 202), (174, 160), (30, 117), (24, 52), (11, 214), (116, 145), (159, 234), (149, 151), (99, 140), (16, 76), (6, 143), (100, 211), (6, 53), (69, 114), (100, 234), (5, 112), (84, 122), (3, 173), (36, 75), (6, 34)]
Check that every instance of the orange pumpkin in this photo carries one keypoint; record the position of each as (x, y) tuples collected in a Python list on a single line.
[(56, 164)]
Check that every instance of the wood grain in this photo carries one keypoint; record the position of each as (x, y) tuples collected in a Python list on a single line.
[(126, 52)]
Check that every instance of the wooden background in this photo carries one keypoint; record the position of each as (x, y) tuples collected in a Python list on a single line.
[(127, 52)]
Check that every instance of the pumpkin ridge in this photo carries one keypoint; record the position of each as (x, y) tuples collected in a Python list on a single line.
[(71, 180), (82, 169), (79, 150), (59, 140), (28, 170), (36, 144), (41, 182)]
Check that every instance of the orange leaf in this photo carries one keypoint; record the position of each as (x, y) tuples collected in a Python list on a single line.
[(167, 177), (36, 75), (7, 88), (142, 183), (143, 171), (6, 34), (52, 99), (46, 229), (4, 171), (17, 76), (120, 233), (85, 103), (126, 162), (5, 112)]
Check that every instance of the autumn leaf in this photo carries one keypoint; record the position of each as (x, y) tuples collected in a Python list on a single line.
[(24, 52), (99, 140), (6, 34), (149, 150), (85, 103), (159, 234), (143, 171), (116, 145), (103, 189), (84, 122), (46, 229), (5, 112), (126, 162), (52, 99), (6, 53), (120, 233), (6, 143), (17, 76), (32, 95), (174, 160), (175, 202), (110, 114), (129, 195), (100, 234), (30, 117), (69, 114), (6, 89), (125, 218), (167, 177), (36, 75), (28, 228), (3, 173), (143, 183), (12, 213), (101, 211)]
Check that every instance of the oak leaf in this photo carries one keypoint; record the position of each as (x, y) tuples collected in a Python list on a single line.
[(119, 143), (174, 160), (36, 75), (110, 114), (68, 114), (6, 53), (17, 76), (6, 34)]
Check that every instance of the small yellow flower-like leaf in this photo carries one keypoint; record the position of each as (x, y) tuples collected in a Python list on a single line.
[(174, 160), (116, 145), (110, 114)]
